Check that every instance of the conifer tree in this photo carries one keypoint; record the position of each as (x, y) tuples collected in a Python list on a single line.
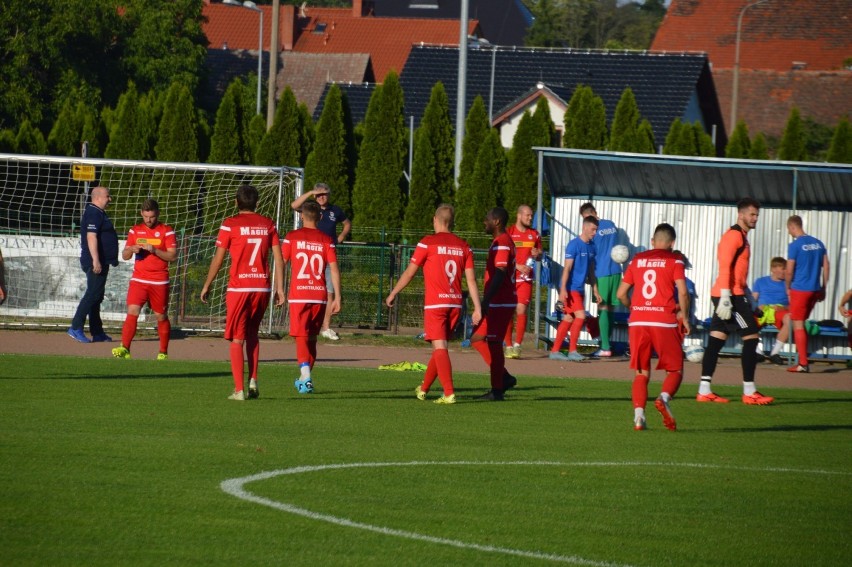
[(840, 150), (759, 148), (793, 143), (672, 146), (281, 145), (7, 141), (646, 143), (227, 145), (625, 124), (585, 121), (546, 129), (329, 161), (423, 196), (486, 184), (64, 137), (739, 144), (254, 135), (703, 142), (522, 168), (30, 140), (92, 130), (377, 195), (437, 127), (476, 128), (128, 135), (177, 138), (307, 133)]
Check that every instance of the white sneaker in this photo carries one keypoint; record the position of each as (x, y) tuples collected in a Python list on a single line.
[(238, 396), (330, 335)]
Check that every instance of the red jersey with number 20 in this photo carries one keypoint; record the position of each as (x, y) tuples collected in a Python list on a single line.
[(502, 255), (444, 257), (248, 238), (310, 250), (653, 274)]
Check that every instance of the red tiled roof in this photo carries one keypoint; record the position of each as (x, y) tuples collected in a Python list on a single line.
[(773, 35), (387, 40), (765, 98)]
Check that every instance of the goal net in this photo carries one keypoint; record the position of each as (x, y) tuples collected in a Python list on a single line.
[(42, 200)]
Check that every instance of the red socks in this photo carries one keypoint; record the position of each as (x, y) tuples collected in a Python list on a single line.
[(444, 369), (252, 355), (520, 328), (164, 329), (640, 390), (237, 367), (128, 331), (561, 333), (800, 337), (576, 327)]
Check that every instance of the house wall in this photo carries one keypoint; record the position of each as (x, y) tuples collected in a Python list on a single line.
[(509, 126)]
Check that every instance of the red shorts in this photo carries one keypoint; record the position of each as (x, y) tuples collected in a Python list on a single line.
[(157, 296), (438, 324), (493, 326), (779, 317), (306, 319), (524, 291), (801, 304), (665, 341), (245, 313), (576, 302)]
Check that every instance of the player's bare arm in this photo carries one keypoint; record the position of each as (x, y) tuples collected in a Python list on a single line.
[(215, 266), (623, 293), (335, 281), (347, 228), (683, 303), (278, 274), (404, 279), (563, 281)]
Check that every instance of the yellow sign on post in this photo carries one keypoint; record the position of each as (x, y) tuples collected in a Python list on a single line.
[(80, 172)]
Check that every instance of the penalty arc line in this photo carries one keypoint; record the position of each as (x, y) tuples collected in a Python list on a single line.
[(236, 487)]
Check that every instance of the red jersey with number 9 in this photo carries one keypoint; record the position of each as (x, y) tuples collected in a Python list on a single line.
[(444, 257), (310, 250), (248, 238), (653, 274)]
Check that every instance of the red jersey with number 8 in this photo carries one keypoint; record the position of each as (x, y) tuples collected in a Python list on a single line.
[(248, 238), (653, 274), (309, 250), (444, 257)]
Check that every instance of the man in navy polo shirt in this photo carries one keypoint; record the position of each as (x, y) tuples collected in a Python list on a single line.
[(330, 217), (99, 244)]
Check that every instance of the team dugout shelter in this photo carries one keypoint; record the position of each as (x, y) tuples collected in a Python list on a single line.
[(697, 196)]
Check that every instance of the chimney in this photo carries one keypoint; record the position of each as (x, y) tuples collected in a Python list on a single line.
[(287, 25), (357, 8)]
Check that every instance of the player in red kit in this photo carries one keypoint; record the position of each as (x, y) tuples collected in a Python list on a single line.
[(154, 245), (527, 253), (248, 238), (498, 304), (653, 323), (310, 250), (444, 258)]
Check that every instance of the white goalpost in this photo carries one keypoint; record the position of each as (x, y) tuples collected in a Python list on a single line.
[(41, 202)]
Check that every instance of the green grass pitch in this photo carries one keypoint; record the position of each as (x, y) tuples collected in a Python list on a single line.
[(122, 462)]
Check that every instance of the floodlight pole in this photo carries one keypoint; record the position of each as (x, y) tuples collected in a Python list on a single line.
[(249, 5), (461, 90), (736, 79)]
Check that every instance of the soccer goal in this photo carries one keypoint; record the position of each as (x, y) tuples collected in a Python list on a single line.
[(41, 202)]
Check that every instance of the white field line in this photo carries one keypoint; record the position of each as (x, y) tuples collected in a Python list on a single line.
[(236, 487)]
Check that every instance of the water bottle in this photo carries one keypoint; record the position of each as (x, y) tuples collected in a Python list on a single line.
[(530, 262)]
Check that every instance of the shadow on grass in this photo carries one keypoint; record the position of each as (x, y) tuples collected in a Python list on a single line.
[(125, 376), (783, 428)]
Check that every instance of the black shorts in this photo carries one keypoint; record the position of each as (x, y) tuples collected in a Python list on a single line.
[(742, 319)]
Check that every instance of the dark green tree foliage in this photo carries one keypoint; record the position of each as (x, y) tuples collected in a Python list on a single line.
[(625, 124), (646, 143), (64, 137), (254, 135), (167, 44), (546, 30), (476, 128), (30, 140), (423, 197), (759, 148), (282, 144), (437, 127), (307, 133), (585, 121), (793, 143), (93, 130), (377, 196), (546, 129), (177, 138), (227, 145), (522, 168), (128, 137), (673, 143), (703, 142), (817, 139), (329, 161), (739, 144), (7, 141), (840, 150), (486, 184)]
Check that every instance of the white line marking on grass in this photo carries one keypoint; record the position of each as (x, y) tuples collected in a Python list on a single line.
[(236, 487)]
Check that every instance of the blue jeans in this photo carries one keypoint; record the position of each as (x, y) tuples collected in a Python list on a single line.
[(90, 305)]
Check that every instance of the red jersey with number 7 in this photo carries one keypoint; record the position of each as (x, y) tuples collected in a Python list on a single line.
[(248, 237), (652, 274), (444, 257), (309, 250)]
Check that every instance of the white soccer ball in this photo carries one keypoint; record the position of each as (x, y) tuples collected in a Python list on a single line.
[(619, 253), (694, 353)]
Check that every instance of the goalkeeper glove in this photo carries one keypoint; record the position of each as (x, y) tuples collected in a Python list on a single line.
[(725, 307)]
